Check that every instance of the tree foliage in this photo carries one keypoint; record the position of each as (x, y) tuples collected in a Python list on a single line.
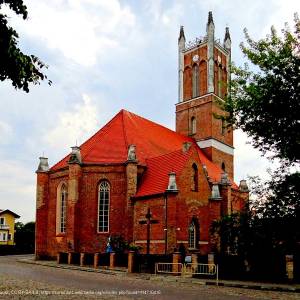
[(16, 66), (271, 219), (265, 101), (25, 237)]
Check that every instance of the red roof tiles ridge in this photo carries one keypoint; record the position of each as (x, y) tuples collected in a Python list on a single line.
[(102, 131), (124, 128)]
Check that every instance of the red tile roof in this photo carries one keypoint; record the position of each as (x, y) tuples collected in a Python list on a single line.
[(156, 146), (110, 143), (156, 178)]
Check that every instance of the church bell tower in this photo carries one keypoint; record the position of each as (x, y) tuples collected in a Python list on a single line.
[(203, 75)]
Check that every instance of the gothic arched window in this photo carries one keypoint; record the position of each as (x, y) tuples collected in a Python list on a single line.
[(195, 81), (220, 82), (62, 197), (194, 179), (192, 230), (193, 125), (187, 83), (103, 206)]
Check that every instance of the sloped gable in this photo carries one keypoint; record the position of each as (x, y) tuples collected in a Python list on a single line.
[(154, 143)]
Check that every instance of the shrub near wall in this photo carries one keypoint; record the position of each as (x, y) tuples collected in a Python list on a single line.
[(8, 250)]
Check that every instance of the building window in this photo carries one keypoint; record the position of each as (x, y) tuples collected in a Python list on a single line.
[(61, 210), (192, 235), (223, 166), (220, 83), (187, 83), (103, 210), (2, 221), (194, 179), (195, 81), (9, 237), (223, 127), (4, 237), (193, 125)]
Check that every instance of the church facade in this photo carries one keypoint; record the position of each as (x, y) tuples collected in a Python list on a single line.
[(134, 170)]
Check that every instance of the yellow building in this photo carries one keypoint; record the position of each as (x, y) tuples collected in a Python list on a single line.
[(7, 227)]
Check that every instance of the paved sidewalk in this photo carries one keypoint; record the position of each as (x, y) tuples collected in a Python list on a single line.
[(169, 278)]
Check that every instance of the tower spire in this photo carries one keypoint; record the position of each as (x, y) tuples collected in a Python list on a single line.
[(227, 39), (181, 34), (181, 47), (210, 18), (210, 30)]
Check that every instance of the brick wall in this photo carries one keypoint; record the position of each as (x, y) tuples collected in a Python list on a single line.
[(187, 75), (84, 212), (42, 194), (181, 208)]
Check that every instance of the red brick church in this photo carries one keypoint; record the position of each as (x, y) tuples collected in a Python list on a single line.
[(132, 166)]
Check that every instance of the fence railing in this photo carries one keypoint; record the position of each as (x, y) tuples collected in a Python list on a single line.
[(188, 269), (169, 268)]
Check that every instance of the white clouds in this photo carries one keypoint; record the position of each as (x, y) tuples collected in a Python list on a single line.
[(81, 29), (17, 188), (6, 132), (283, 13), (74, 125), (167, 16), (130, 49)]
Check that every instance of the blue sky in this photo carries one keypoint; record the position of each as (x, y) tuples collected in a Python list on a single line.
[(104, 56)]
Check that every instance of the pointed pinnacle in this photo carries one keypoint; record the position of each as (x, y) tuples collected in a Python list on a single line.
[(227, 34), (181, 34), (210, 18)]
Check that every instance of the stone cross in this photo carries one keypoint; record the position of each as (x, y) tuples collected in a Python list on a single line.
[(148, 222)]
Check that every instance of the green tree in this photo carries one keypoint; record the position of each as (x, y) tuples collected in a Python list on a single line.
[(16, 66), (25, 237), (265, 101)]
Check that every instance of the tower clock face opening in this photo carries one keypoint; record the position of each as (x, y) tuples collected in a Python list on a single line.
[(195, 58)]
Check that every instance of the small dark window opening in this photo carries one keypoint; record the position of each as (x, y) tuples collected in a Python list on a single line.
[(195, 81), (223, 166), (223, 127), (193, 125), (194, 179)]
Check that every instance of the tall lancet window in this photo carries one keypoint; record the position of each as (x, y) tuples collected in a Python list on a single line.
[(193, 125), (103, 206), (194, 179), (195, 80), (192, 235), (220, 82), (62, 208)]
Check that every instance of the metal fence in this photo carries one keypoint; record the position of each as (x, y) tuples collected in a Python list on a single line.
[(188, 269), (169, 268)]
